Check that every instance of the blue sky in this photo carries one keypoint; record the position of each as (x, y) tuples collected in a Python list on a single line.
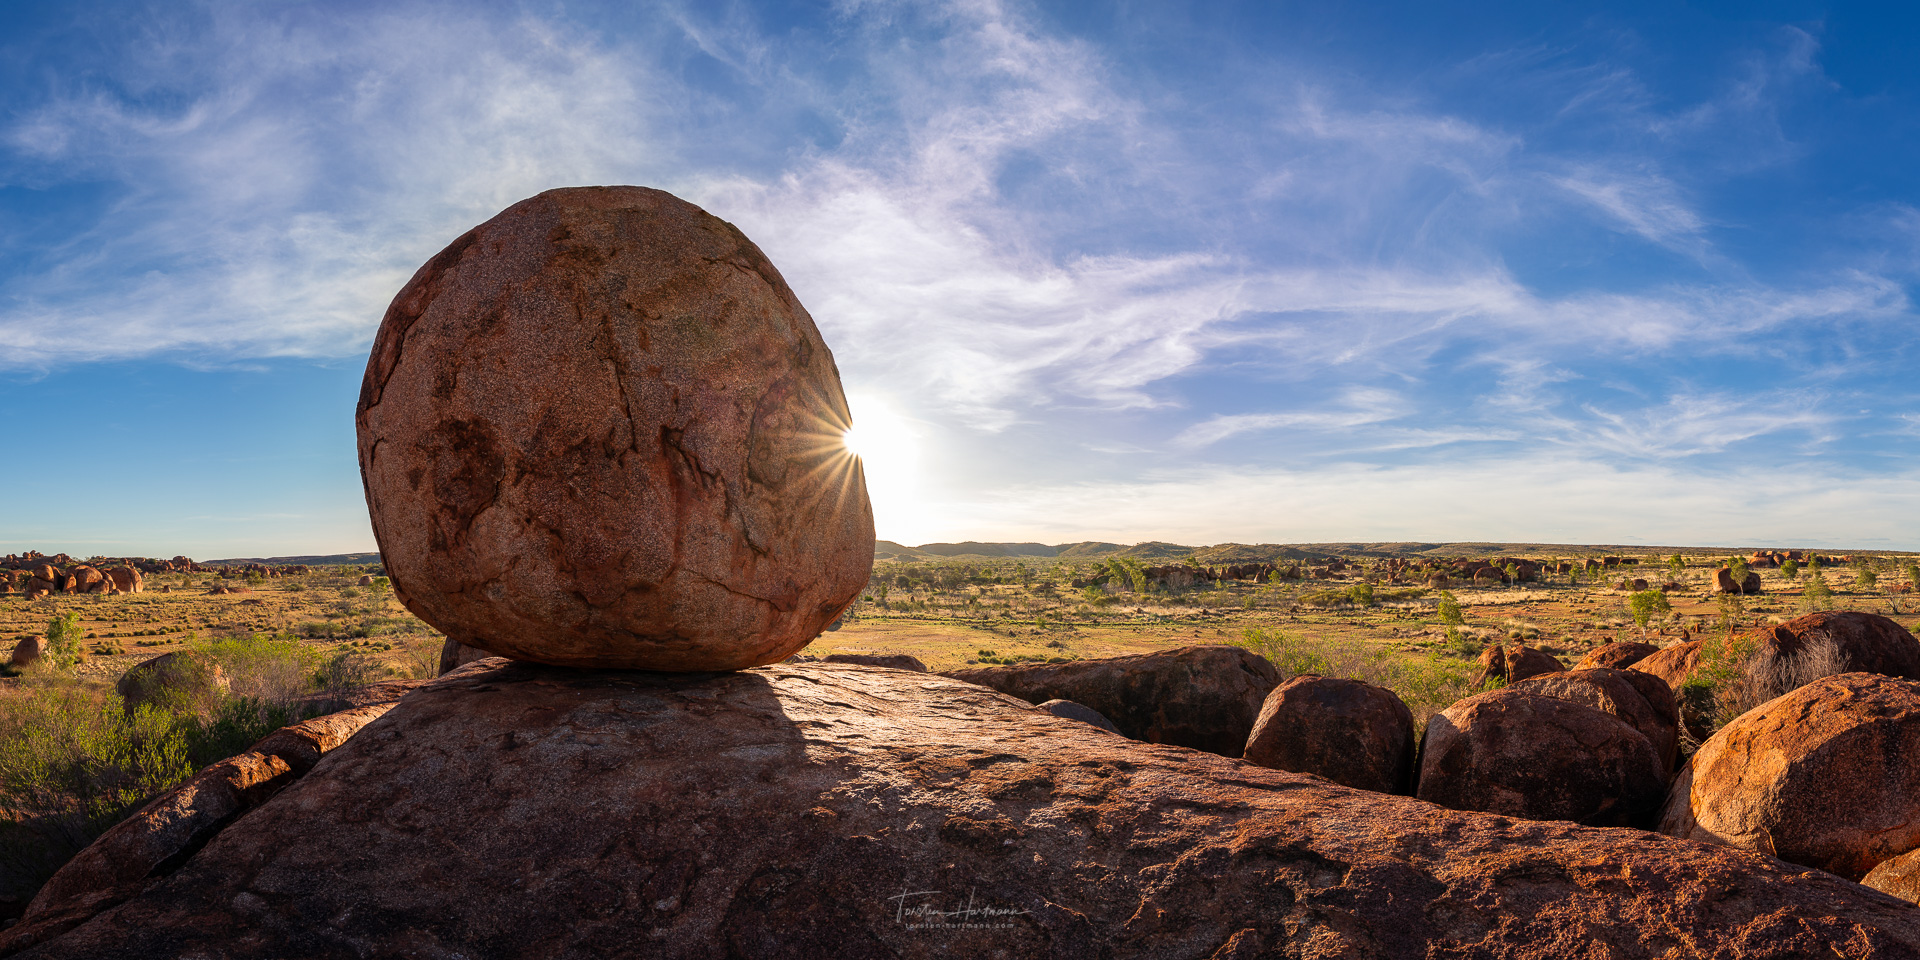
[(1257, 272)]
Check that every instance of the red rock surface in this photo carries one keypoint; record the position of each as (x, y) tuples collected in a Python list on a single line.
[(1899, 877), (1205, 697), (1640, 699), (1540, 758), (821, 811), (1518, 662), (1824, 776), (1871, 643), (454, 655), (599, 430), (898, 661), (1348, 731), (1616, 656), (27, 652)]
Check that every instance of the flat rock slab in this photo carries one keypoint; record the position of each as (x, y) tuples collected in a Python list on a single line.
[(825, 810)]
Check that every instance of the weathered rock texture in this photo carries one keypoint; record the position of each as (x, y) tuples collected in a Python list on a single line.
[(1518, 662), (1347, 731), (1899, 877), (1824, 777), (1081, 712), (454, 655), (599, 430), (1205, 697), (1870, 643), (898, 661), (27, 652), (822, 811), (182, 678), (1540, 758), (1640, 699), (1616, 656), (142, 849)]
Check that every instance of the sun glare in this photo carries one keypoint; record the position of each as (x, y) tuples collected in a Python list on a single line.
[(888, 447)]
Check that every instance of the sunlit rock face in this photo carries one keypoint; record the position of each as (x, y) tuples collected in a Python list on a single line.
[(599, 430)]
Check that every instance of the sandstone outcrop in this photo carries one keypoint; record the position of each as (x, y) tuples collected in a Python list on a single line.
[(1616, 656), (125, 579), (1824, 777), (820, 810), (1640, 699), (1075, 711), (1350, 732), (599, 430), (1540, 758), (1517, 662), (180, 678), (897, 661), (1205, 697)]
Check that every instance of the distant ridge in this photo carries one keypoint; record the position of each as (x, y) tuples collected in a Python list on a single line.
[(332, 559), (1274, 552)]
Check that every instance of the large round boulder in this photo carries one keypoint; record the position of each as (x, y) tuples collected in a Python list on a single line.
[(1348, 731), (1540, 758), (1517, 662), (1068, 710), (1617, 656), (896, 661), (599, 430), (28, 652), (1205, 697), (1824, 777), (183, 679), (1640, 699), (125, 579), (1866, 642), (814, 810)]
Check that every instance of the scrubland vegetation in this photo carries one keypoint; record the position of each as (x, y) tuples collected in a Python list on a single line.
[(75, 758)]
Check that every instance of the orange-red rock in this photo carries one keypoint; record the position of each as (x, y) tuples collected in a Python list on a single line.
[(1540, 758), (599, 430), (1824, 776), (27, 652), (1205, 697), (1640, 699), (821, 811), (1898, 877), (1517, 662), (1616, 656), (1348, 731)]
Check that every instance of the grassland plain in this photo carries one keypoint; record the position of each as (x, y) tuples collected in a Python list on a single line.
[(952, 611)]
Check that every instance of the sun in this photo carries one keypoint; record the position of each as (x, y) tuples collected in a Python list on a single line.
[(887, 444)]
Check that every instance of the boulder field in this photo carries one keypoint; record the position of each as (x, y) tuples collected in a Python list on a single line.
[(827, 810), (1205, 696), (599, 430), (1827, 776)]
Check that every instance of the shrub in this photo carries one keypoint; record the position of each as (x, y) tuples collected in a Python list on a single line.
[(1449, 610), (63, 641), (1426, 685), (1645, 604)]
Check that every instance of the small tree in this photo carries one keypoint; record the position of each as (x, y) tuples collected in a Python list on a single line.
[(1817, 596), (1867, 579), (1361, 594), (1645, 604), (1449, 609), (1738, 568), (1790, 569), (63, 641), (1677, 564)]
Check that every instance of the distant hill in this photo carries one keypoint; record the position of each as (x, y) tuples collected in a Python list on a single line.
[(1222, 553), (334, 559)]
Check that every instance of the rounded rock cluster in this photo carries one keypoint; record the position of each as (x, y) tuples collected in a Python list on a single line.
[(599, 430)]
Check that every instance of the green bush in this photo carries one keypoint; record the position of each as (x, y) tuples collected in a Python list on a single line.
[(1426, 685)]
